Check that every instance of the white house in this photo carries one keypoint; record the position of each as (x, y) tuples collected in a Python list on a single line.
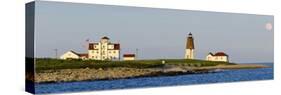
[(189, 50), (128, 57), (104, 50), (219, 56), (73, 55)]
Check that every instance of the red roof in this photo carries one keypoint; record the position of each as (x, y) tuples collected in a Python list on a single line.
[(129, 55), (91, 46), (83, 55), (220, 54), (116, 46)]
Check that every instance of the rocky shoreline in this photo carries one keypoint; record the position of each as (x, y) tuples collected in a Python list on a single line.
[(88, 74)]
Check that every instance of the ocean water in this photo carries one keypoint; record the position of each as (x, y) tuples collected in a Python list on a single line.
[(218, 77)]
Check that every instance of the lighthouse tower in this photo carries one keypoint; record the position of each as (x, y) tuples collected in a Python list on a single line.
[(189, 50)]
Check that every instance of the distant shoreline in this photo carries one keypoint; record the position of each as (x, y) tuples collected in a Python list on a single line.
[(92, 74)]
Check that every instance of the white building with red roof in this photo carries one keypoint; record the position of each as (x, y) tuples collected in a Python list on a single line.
[(128, 57), (103, 50), (219, 56)]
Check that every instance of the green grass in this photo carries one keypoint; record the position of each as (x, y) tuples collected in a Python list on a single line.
[(55, 64), (185, 62)]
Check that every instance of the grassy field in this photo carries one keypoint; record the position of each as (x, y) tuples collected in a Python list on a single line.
[(55, 64)]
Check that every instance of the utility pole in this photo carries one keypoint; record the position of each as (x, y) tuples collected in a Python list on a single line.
[(119, 54), (137, 50), (56, 53), (87, 44)]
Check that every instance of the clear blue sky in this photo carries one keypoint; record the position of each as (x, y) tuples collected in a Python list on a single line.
[(157, 33)]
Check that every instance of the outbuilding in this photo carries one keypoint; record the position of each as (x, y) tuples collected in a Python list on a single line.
[(73, 55), (127, 57), (219, 56)]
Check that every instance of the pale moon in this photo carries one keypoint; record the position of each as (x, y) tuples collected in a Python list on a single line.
[(268, 26)]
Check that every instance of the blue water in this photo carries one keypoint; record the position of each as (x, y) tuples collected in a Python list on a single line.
[(224, 76)]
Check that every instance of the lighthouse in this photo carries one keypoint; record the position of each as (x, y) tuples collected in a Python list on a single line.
[(189, 50)]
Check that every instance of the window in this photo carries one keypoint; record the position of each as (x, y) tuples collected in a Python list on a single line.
[(93, 51), (113, 51), (109, 51)]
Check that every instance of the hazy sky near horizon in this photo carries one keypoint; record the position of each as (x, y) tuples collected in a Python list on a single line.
[(157, 33)]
